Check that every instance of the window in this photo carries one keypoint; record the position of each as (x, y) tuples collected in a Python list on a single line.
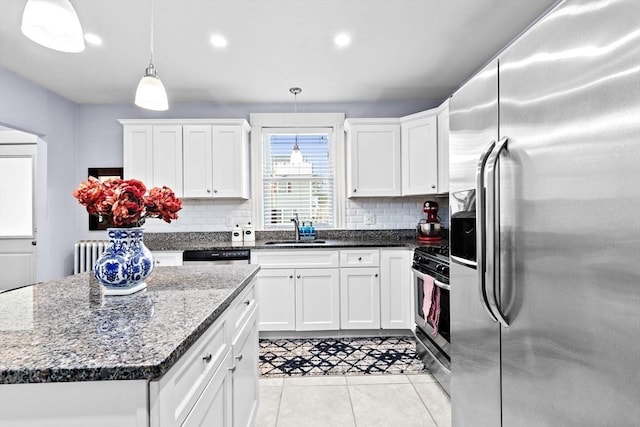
[(296, 169), (297, 177)]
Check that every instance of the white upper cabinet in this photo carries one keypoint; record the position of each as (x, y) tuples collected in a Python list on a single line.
[(230, 161), (419, 154), (197, 158), (443, 148), (153, 154), (373, 157)]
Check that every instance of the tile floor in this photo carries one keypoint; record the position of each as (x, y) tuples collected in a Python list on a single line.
[(353, 401)]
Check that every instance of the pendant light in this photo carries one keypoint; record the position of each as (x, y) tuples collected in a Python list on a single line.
[(296, 155), (53, 24), (151, 94)]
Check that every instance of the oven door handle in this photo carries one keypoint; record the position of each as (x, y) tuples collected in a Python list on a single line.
[(435, 281), (493, 231), (481, 230), (441, 285)]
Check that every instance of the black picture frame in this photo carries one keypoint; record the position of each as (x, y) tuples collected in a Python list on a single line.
[(95, 222)]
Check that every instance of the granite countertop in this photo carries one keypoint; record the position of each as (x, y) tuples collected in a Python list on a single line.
[(333, 240), (66, 330)]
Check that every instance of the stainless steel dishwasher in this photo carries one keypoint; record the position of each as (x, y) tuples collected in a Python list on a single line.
[(219, 257)]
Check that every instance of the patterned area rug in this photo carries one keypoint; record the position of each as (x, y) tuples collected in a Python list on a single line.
[(341, 356)]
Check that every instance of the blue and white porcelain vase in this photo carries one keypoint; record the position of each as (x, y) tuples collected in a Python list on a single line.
[(125, 263)]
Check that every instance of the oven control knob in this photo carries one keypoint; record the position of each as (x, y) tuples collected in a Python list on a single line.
[(445, 271)]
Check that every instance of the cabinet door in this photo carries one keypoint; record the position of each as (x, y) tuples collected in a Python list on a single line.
[(138, 153), (420, 156), (276, 299), (245, 374), (230, 162), (317, 299), (443, 151), (359, 298), (167, 157), (396, 307), (374, 161), (197, 173), (214, 407)]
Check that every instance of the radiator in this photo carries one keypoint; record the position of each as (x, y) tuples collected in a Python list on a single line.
[(85, 254)]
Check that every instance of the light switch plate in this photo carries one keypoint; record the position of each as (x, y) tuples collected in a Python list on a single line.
[(369, 219)]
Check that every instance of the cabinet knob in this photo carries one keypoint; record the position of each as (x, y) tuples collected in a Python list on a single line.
[(239, 357), (359, 258), (33, 243), (208, 191), (433, 186), (298, 276), (375, 275), (247, 302), (215, 191), (355, 190), (232, 369), (291, 277), (207, 358), (157, 262)]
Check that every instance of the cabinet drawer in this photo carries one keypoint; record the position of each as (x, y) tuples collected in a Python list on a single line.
[(167, 258), (360, 258), (241, 308), (299, 258), (174, 394)]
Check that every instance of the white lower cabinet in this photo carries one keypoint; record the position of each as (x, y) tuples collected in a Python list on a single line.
[(167, 258), (214, 407), (277, 296), (298, 290), (317, 299), (396, 291), (359, 298), (216, 382), (245, 380)]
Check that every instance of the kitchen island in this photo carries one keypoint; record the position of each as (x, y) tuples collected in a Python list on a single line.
[(164, 356)]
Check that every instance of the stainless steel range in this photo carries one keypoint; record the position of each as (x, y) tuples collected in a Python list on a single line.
[(431, 295)]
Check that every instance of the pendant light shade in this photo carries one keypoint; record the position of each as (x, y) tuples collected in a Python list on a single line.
[(151, 94), (53, 24), (295, 158)]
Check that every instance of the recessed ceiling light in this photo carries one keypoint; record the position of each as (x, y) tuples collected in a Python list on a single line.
[(342, 40), (93, 39), (218, 41)]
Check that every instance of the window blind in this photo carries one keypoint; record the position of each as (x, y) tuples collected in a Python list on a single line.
[(300, 183)]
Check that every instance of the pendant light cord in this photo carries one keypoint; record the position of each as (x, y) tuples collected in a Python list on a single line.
[(151, 31)]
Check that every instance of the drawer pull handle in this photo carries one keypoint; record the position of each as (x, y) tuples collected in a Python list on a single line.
[(232, 369), (375, 275), (239, 357), (207, 358), (291, 277), (359, 258), (247, 302)]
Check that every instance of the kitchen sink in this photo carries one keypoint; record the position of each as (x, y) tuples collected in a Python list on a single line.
[(294, 242)]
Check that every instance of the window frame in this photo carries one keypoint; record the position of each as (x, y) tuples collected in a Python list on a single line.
[(267, 122)]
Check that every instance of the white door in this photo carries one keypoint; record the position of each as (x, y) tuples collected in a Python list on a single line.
[(17, 221)]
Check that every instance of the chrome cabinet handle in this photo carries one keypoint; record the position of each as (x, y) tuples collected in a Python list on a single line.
[(480, 230), (493, 230), (207, 358)]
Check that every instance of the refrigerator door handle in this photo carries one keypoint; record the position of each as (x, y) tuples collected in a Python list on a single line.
[(493, 231), (481, 229)]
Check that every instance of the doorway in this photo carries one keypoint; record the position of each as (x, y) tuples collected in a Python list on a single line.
[(17, 211)]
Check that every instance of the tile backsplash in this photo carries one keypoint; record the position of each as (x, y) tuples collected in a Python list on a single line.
[(385, 213)]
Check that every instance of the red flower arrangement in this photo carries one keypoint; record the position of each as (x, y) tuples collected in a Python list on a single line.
[(124, 203)]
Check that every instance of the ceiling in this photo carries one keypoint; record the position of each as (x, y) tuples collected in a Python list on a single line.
[(400, 50)]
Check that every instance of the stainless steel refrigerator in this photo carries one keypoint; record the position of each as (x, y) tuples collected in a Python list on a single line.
[(545, 227)]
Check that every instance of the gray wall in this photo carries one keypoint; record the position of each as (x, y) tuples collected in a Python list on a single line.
[(78, 136), (30, 108)]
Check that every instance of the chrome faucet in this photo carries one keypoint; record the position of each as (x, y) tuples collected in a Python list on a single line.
[(296, 223)]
